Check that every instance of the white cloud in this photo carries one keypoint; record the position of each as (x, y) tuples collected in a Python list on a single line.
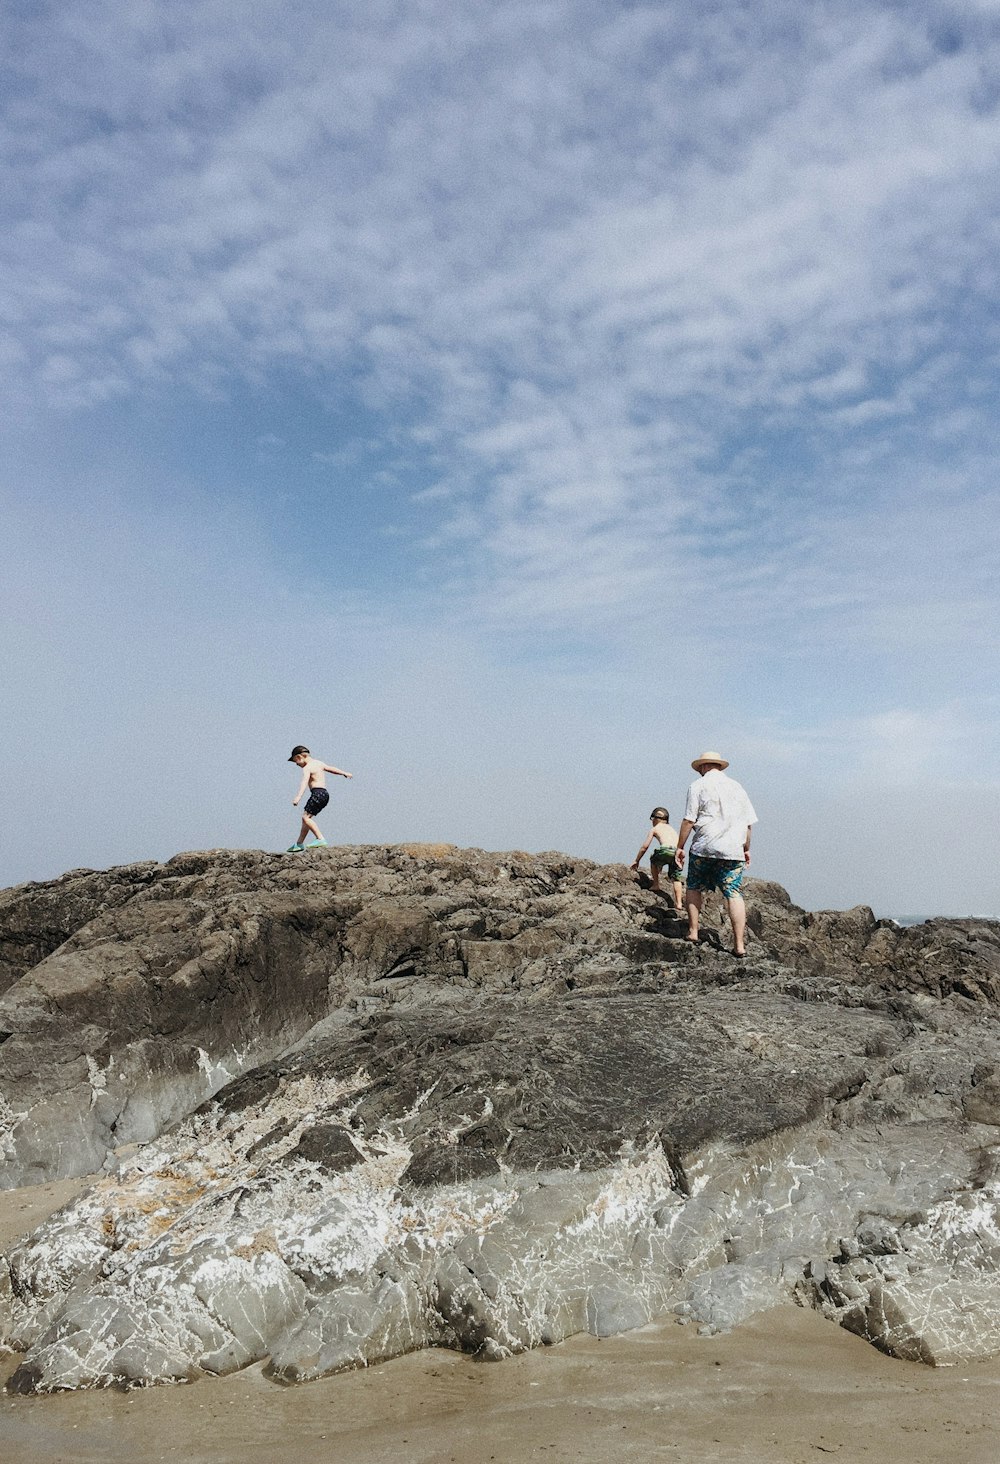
[(687, 312)]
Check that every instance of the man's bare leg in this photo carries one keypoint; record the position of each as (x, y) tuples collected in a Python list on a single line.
[(738, 919), (692, 901)]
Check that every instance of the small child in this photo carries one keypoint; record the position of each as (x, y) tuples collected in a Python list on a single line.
[(313, 779), (664, 855)]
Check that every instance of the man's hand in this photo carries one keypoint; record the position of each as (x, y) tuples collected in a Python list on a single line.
[(679, 857)]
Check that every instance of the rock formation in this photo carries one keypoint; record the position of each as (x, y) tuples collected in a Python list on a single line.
[(364, 1100)]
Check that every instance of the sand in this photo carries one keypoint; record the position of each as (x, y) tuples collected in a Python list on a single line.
[(787, 1389)]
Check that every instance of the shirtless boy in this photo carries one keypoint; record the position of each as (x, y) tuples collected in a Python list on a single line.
[(666, 837), (312, 778)]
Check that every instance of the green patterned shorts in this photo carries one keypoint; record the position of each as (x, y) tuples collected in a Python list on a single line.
[(665, 857)]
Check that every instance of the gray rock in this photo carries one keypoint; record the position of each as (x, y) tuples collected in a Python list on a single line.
[(352, 1328), (387, 1098)]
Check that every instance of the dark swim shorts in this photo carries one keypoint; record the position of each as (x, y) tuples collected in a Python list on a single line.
[(724, 875), (318, 799)]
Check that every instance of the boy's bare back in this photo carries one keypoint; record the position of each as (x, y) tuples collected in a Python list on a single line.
[(313, 772), (666, 833)]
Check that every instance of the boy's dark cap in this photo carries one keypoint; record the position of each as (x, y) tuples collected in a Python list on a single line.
[(297, 752)]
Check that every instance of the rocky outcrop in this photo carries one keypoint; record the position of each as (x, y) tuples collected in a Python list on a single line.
[(387, 1098)]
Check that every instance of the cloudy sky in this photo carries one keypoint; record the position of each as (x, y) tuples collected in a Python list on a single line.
[(509, 399)]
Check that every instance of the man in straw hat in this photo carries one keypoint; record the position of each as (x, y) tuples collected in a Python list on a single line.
[(720, 815)]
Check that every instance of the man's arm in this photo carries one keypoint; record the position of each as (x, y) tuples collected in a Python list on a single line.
[(746, 844), (327, 768), (682, 838)]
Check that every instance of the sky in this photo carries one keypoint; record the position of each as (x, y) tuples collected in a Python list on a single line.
[(509, 400)]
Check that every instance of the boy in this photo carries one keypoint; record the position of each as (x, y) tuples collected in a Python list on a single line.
[(664, 855), (313, 779)]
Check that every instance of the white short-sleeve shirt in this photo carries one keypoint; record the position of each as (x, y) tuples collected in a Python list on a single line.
[(721, 813)]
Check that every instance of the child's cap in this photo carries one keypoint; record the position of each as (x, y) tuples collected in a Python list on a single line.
[(659, 813), (297, 752)]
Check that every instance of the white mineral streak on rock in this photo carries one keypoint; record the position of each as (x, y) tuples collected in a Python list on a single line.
[(98, 1080), (221, 1244), (217, 1072), (165, 1199), (926, 1289), (195, 1273), (8, 1120), (323, 1272), (628, 1197)]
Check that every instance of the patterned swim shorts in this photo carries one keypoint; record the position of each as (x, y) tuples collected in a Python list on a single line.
[(666, 857), (318, 799), (724, 875)]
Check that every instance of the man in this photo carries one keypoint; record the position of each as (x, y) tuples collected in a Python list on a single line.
[(721, 816)]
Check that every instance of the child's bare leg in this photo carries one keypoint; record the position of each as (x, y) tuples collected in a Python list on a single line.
[(309, 826), (654, 877), (678, 895)]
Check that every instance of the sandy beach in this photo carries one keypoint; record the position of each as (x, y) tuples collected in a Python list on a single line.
[(787, 1389)]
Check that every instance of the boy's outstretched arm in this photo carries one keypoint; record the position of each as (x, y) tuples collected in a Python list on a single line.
[(328, 768), (302, 788), (635, 861)]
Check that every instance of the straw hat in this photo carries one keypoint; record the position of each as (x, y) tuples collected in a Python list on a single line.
[(709, 757)]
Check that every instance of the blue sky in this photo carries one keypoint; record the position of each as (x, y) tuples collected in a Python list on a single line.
[(509, 401)]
